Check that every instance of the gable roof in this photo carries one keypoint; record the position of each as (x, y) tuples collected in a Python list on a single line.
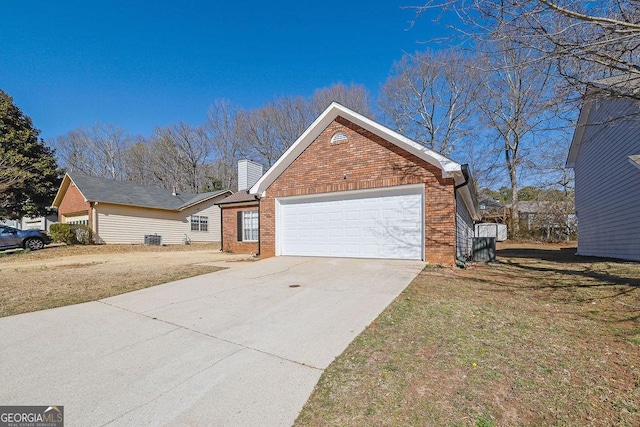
[(95, 189), (449, 168), (624, 85)]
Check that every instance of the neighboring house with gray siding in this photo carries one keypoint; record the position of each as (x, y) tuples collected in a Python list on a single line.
[(604, 154), (123, 212)]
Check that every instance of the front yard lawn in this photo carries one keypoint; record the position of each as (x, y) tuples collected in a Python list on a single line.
[(63, 275), (540, 338)]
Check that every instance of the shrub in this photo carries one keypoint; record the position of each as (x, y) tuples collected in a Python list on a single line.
[(71, 234)]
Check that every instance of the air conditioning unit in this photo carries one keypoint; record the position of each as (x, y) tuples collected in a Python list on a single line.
[(152, 239)]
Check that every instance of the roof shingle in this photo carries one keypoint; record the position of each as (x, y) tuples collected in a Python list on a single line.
[(127, 193), (239, 197)]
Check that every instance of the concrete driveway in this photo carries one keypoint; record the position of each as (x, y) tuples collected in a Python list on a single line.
[(239, 347)]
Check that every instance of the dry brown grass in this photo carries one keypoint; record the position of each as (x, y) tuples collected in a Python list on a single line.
[(63, 275), (540, 338)]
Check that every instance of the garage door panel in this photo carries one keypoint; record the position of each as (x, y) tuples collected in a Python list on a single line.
[(378, 225), (336, 233), (334, 216)]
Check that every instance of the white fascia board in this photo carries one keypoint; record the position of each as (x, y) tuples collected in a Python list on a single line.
[(578, 134), (467, 199), (292, 152), (67, 179), (448, 166), (445, 164), (56, 202)]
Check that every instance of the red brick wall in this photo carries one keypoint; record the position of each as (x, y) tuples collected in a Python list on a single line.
[(230, 231), (369, 162), (72, 203)]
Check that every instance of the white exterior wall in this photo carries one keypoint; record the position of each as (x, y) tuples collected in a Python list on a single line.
[(608, 184), (128, 224), (464, 229), (489, 229), (248, 174)]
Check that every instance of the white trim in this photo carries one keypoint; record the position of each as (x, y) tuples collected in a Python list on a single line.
[(339, 194), (578, 135), (370, 192), (257, 219), (448, 167), (255, 203)]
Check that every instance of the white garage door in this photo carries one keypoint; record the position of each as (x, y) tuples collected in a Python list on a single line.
[(359, 224)]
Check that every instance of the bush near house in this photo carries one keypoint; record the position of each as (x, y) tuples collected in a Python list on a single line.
[(71, 234)]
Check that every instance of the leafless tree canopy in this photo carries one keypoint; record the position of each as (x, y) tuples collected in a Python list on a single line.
[(429, 97), (96, 151), (586, 39), (202, 158)]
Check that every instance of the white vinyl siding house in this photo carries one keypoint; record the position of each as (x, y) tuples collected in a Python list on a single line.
[(129, 224), (124, 212), (607, 183)]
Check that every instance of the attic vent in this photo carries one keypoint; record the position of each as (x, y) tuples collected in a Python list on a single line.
[(339, 137)]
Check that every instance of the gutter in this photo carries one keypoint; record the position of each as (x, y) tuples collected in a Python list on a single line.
[(465, 174), (469, 196)]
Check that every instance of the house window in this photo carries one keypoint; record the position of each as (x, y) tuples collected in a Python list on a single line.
[(199, 223), (248, 226)]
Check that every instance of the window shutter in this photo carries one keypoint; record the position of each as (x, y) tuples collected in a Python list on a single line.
[(239, 226)]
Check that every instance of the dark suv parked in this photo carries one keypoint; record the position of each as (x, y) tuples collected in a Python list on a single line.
[(11, 238)]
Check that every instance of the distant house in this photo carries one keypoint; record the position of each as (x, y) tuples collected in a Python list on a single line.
[(492, 210), (33, 223), (605, 154), (350, 187), (546, 219), (123, 212)]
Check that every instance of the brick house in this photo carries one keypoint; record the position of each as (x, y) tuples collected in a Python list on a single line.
[(350, 187)]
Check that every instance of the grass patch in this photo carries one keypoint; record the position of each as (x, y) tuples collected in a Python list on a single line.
[(65, 275), (541, 338)]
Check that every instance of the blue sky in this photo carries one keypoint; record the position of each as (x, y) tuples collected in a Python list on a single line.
[(141, 64)]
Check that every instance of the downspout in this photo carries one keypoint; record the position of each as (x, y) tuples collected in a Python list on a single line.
[(221, 231), (259, 234), (93, 220), (465, 174)]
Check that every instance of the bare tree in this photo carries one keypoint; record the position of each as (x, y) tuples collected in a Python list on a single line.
[(221, 119), (429, 96), (355, 97), (137, 163), (97, 151), (74, 151), (517, 105), (164, 167), (587, 39), (256, 136), (193, 149), (263, 134)]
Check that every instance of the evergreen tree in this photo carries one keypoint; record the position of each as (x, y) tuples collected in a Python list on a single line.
[(29, 175)]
